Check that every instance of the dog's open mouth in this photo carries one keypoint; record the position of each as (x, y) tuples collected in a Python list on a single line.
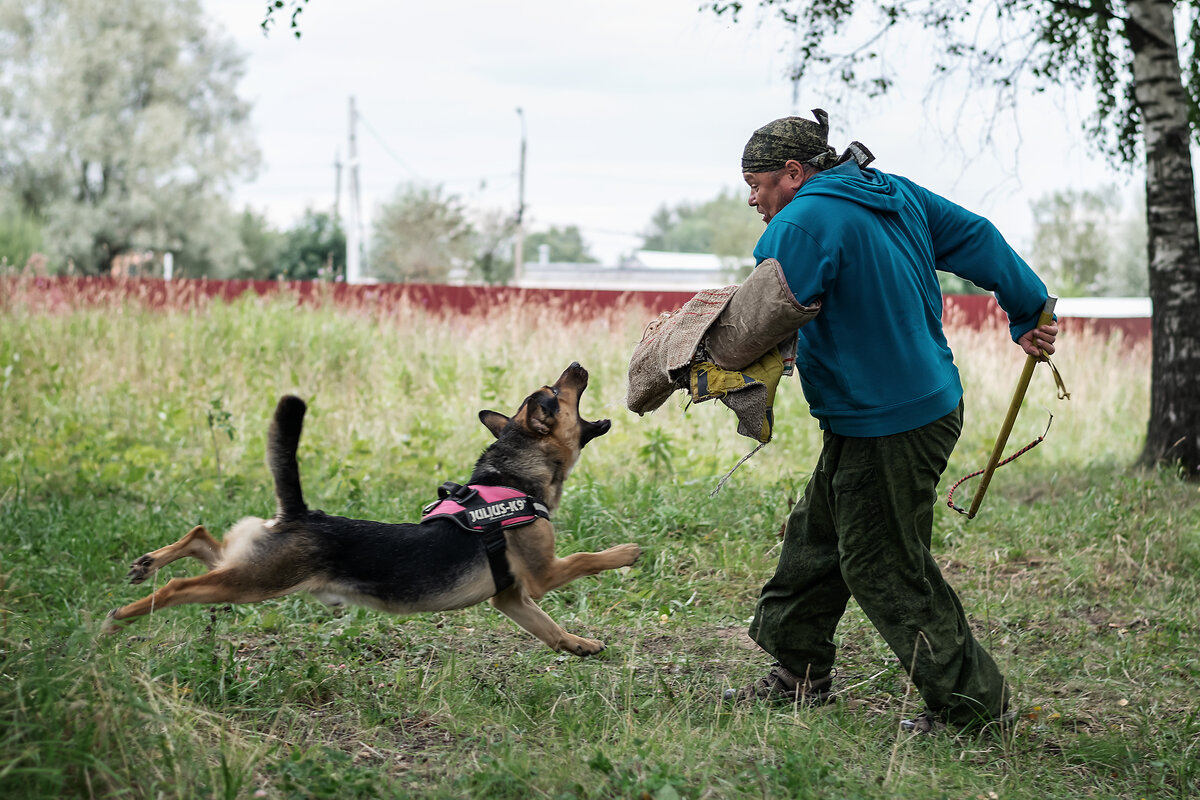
[(590, 430), (576, 377)]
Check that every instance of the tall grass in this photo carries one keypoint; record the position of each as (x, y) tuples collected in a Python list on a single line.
[(121, 427)]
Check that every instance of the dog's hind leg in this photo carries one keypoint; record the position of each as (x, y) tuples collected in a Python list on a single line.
[(515, 604), (218, 586), (198, 543)]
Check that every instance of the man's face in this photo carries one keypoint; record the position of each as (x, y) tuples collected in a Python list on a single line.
[(771, 191)]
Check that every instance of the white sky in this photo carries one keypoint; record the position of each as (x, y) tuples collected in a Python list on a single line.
[(627, 104)]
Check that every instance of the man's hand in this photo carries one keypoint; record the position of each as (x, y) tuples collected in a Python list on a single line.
[(1040, 340)]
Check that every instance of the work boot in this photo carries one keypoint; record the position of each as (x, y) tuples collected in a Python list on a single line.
[(923, 724), (780, 685)]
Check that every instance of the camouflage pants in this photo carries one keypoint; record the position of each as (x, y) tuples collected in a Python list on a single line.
[(863, 529)]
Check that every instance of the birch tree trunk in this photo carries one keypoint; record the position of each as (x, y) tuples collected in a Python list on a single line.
[(1173, 433)]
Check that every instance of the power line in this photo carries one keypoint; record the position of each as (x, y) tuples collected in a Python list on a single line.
[(371, 130), (507, 176)]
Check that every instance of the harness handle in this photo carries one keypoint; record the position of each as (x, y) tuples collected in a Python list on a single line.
[(456, 491)]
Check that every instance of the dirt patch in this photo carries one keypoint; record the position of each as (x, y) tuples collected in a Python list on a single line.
[(736, 637)]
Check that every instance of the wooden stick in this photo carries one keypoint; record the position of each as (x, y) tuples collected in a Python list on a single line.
[(1013, 409)]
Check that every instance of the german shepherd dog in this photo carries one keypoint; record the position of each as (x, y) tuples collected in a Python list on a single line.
[(405, 568)]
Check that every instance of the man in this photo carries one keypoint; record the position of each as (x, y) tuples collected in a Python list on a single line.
[(879, 376)]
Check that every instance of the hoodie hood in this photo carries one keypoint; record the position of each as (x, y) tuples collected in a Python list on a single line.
[(866, 187)]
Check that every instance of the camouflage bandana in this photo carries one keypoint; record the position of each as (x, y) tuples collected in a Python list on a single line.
[(798, 139)]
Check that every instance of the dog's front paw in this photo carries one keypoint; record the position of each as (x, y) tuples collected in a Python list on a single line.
[(628, 553), (141, 569), (584, 647)]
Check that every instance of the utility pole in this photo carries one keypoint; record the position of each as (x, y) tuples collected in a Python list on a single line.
[(337, 187), (354, 246), (519, 250)]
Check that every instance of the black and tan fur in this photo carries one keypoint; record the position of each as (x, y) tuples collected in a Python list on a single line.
[(402, 568)]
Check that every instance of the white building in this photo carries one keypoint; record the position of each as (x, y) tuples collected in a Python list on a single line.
[(644, 271)]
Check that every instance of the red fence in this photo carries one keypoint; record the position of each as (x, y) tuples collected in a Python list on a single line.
[(72, 292)]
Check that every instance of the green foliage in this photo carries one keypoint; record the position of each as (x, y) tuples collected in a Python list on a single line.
[(494, 236), (325, 772), (314, 248), (493, 382), (1069, 237), (420, 235), (263, 246), (118, 154), (20, 237), (658, 453), (219, 420), (270, 19), (1086, 247), (566, 245), (724, 226)]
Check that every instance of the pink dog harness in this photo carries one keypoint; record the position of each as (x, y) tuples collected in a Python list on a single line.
[(487, 510)]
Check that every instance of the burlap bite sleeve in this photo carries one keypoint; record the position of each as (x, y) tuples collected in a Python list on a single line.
[(762, 313)]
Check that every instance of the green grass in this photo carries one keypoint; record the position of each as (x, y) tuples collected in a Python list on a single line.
[(121, 428)]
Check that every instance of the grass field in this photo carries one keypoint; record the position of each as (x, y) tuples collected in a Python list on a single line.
[(121, 428)]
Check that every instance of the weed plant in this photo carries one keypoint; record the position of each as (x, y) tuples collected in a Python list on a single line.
[(121, 427)]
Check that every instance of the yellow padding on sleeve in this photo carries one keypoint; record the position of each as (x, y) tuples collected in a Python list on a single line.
[(708, 381)]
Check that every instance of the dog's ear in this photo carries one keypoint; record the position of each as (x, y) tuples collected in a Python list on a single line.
[(494, 421)]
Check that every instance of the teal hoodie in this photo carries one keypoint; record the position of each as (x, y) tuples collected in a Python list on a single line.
[(875, 360)]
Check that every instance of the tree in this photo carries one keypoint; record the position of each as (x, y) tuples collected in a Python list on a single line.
[(314, 248), (678, 230), (121, 129), (420, 236), (493, 232), (262, 245), (206, 245), (1078, 242), (1130, 276), (1147, 87), (724, 226), (566, 245), (20, 235)]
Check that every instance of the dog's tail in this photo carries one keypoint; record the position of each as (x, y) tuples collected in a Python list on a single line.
[(283, 439)]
